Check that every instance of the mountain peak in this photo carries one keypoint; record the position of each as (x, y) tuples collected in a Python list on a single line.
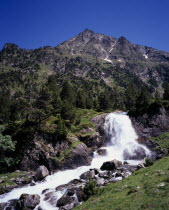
[(87, 31)]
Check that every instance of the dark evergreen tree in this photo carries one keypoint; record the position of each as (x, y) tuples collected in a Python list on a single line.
[(166, 92), (68, 93)]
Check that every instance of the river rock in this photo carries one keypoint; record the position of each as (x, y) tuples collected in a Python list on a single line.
[(65, 200), (111, 165), (88, 174), (118, 174), (67, 207), (41, 173), (51, 197), (106, 174), (102, 152), (29, 201), (2, 205)]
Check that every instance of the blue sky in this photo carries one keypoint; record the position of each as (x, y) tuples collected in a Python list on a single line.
[(37, 23)]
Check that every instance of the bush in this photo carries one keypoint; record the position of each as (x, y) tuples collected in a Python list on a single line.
[(61, 131), (148, 162), (90, 187)]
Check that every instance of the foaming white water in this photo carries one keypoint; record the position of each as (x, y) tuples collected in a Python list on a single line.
[(121, 137)]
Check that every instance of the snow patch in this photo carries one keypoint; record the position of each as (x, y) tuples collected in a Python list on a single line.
[(146, 56)]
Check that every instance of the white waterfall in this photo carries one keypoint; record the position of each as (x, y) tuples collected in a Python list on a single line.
[(122, 143)]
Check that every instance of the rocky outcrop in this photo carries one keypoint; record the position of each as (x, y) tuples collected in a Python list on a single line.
[(80, 155), (91, 138), (151, 124), (99, 121), (39, 153)]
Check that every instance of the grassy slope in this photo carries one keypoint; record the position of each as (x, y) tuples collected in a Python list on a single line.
[(141, 190)]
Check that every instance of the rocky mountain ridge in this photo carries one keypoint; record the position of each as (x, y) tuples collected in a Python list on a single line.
[(92, 55)]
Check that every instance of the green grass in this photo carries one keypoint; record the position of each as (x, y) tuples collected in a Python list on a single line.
[(85, 116), (141, 190), (162, 140), (8, 176)]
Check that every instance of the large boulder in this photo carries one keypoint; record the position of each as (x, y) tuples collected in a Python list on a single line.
[(111, 165), (41, 173), (28, 201), (80, 155)]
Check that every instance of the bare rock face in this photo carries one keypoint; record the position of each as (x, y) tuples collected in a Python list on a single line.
[(39, 153), (93, 140), (99, 122), (41, 173), (151, 124)]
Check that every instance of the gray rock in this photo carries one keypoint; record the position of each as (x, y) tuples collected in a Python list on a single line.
[(102, 152), (2, 205), (51, 197), (65, 200), (100, 181), (67, 207), (41, 173), (111, 165), (88, 174), (113, 180), (29, 201), (105, 174), (130, 168)]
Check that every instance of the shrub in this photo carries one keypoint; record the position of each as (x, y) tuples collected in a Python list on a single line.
[(148, 162)]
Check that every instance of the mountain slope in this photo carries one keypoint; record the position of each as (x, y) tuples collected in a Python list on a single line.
[(92, 55)]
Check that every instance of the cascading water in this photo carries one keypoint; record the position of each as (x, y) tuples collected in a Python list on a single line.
[(122, 139), (122, 145)]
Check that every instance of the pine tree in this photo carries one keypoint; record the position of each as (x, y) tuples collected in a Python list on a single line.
[(166, 92)]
